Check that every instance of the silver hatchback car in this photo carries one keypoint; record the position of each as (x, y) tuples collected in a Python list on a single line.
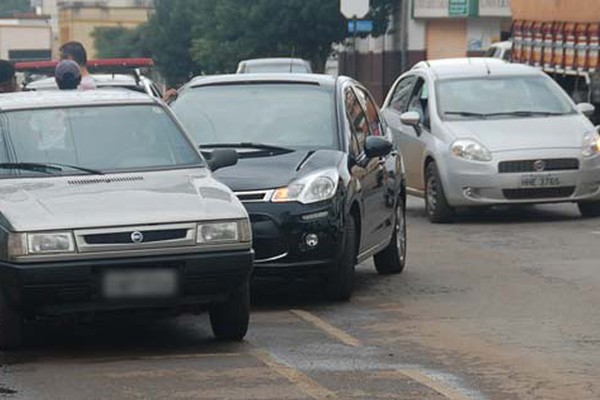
[(481, 132), (107, 206)]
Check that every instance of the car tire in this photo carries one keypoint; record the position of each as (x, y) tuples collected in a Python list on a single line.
[(589, 209), (229, 320), (340, 282), (392, 259), (11, 325), (436, 205)]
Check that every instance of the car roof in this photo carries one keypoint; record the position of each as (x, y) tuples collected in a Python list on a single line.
[(473, 67), (273, 60), (215, 80), (100, 79), (70, 98)]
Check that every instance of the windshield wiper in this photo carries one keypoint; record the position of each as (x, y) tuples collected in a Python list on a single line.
[(77, 168), (49, 168), (525, 113), (28, 166), (467, 114), (246, 145)]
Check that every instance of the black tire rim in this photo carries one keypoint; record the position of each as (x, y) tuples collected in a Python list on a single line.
[(400, 234), (432, 193)]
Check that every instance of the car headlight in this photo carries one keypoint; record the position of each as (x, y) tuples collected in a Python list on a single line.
[(223, 232), (21, 244), (312, 188), (591, 144), (470, 149)]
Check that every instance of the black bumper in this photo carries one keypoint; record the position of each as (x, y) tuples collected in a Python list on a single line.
[(65, 287), (279, 232)]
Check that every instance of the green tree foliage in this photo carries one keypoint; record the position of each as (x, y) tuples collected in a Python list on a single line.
[(188, 37), (7, 7), (115, 42), (236, 29)]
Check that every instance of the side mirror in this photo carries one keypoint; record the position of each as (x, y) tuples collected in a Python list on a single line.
[(221, 158), (586, 109), (377, 146), (411, 118)]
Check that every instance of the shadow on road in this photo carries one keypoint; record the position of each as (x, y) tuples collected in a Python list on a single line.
[(506, 214)]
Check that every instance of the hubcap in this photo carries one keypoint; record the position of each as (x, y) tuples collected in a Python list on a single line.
[(431, 193)]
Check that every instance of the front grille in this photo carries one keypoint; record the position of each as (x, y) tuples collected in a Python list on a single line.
[(125, 237), (538, 193), (552, 164)]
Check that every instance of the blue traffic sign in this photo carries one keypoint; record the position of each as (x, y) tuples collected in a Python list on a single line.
[(360, 26)]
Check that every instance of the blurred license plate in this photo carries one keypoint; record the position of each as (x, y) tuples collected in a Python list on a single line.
[(139, 283), (536, 180)]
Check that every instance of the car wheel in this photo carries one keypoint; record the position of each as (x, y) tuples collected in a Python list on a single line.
[(589, 209), (340, 282), (229, 320), (392, 259), (11, 325), (436, 205)]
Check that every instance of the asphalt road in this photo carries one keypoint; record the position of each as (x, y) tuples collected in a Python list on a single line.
[(503, 304)]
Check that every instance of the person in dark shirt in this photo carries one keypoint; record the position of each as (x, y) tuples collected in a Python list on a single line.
[(8, 80)]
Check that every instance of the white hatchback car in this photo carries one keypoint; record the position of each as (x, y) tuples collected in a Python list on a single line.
[(480, 132)]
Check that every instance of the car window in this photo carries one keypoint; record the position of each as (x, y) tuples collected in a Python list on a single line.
[(419, 101), (287, 115), (457, 98), (401, 94), (372, 111), (108, 138), (357, 121)]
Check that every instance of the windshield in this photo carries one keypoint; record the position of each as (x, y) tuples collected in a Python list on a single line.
[(286, 115), (103, 139), (501, 97)]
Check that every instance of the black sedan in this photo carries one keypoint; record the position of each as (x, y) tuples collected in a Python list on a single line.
[(317, 171)]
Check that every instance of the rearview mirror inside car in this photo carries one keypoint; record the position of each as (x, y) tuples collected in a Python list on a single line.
[(220, 158)]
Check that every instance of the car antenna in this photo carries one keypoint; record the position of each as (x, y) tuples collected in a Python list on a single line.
[(487, 67)]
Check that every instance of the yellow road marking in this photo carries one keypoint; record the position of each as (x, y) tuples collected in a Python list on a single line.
[(434, 384), (306, 384), (327, 328)]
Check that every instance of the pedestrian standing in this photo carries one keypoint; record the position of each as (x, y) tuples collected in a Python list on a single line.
[(67, 75), (76, 52), (8, 80)]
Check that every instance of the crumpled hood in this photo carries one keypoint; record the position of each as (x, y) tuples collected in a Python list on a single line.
[(90, 201), (269, 172), (524, 133)]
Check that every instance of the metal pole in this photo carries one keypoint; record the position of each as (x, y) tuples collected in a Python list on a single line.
[(404, 35), (354, 34)]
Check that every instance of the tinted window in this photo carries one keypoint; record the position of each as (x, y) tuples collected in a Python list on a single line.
[(500, 95), (372, 112), (401, 94), (106, 138), (287, 115), (358, 122)]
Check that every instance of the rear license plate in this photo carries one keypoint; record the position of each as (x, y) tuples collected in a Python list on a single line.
[(139, 283), (535, 180)]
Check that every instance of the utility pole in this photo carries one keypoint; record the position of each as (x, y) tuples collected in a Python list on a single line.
[(404, 11)]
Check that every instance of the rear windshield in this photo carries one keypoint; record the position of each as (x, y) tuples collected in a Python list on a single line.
[(107, 138), (287, 115), (276, 68)]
